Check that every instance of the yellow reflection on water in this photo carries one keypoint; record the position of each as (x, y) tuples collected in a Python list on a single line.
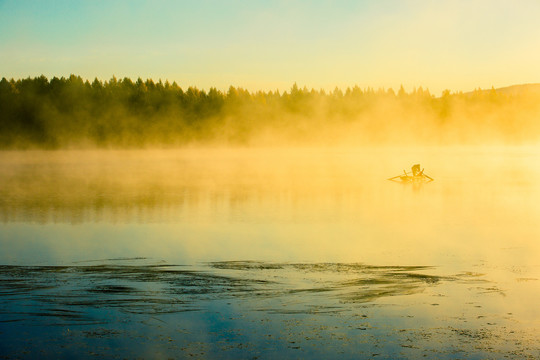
[(281, 204)]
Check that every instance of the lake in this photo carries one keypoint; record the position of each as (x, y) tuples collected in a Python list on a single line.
[(266, 253)]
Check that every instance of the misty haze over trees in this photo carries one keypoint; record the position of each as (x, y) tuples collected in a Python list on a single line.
[(70, 112)]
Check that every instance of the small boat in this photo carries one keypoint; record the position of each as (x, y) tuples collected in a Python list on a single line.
[(414, 176)]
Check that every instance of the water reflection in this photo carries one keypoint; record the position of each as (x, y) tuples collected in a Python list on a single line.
[(154, 186), (272, 247)]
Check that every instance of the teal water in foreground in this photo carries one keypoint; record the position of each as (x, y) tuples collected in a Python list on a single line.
[(266, 253)]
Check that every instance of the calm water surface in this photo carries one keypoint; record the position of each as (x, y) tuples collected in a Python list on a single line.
[(260, 253)]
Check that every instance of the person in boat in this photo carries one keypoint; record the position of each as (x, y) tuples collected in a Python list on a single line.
[(416, 170)]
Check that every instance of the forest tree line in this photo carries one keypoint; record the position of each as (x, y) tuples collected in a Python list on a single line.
[(71, 112)]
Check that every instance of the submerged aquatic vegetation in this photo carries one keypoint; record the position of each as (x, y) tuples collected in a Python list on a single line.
[(170, 288), (244, 308)]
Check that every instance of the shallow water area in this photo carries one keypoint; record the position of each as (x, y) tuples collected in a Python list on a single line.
[(242, 253)]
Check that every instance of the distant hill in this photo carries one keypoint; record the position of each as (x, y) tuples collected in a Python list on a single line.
[(515, 89), (520, 89)]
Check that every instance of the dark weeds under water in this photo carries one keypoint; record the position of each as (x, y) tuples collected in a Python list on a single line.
[(122, 308), (171, 288)]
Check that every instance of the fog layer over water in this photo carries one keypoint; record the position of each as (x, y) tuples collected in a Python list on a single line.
[(275, 204), (275, 236)]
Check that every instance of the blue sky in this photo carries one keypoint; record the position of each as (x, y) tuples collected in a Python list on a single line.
[(456, 44)]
